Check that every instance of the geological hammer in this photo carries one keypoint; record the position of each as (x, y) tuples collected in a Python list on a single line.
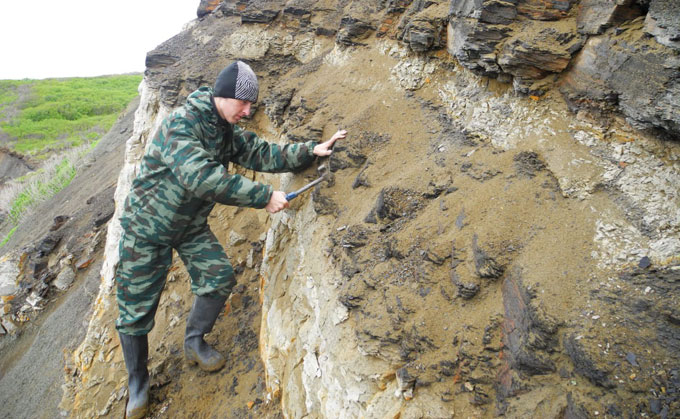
[(321, 169)]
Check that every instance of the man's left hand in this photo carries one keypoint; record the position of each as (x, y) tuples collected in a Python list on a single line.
[(325, 148)]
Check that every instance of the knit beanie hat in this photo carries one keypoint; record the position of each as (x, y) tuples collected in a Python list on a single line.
[(237, 81)]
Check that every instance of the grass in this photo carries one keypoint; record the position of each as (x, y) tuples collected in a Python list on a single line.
[(52, 181), (56, 121), (57, 114), (20, 197), (9, 236)]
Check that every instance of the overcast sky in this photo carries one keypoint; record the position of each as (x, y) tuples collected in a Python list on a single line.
[(69, 38)]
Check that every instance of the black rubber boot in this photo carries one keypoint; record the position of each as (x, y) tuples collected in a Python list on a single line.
[(201, 320), (135, 353)]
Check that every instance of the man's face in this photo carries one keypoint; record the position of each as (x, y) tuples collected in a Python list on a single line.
[(232, 109)]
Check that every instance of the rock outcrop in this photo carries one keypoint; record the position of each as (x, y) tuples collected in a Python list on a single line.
[(476, 252)]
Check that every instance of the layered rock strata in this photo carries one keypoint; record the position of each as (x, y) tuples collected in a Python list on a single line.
[(475, 249)]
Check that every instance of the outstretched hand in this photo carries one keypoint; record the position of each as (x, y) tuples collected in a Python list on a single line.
[(325, 148)]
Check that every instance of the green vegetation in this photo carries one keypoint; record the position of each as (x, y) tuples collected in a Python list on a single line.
[(9, 236), (43, 187), (59, 114), (57, 121), (19, 197)]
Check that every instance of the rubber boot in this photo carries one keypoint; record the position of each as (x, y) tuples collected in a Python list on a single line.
[(201, 320), (135, 353)]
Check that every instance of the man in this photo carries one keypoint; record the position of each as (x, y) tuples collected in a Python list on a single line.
[(182, 175)]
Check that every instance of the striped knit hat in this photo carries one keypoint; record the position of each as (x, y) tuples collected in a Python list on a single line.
[(237, 81)]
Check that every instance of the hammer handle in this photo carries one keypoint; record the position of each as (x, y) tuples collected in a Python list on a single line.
[(292, 195)]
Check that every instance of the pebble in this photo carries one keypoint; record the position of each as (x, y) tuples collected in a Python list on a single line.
[(65, 278), (235, 238), (645, 263)]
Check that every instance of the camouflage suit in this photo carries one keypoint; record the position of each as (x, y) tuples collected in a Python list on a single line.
[(182, 175)]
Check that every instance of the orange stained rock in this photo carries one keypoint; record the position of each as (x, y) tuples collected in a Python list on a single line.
[(250, 405), (261, 289), (85, 264)]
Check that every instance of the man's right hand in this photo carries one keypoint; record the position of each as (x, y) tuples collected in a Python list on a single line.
[(277, 202)]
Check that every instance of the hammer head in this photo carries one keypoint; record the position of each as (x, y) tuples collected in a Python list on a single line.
[(324, 171)]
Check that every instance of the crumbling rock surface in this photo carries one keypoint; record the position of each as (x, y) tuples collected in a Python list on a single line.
[(12, 165), (492, 274), (597, 16), (529, 334), (607, 70), (663, 21)]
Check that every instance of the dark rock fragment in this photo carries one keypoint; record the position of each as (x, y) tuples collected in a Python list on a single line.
[(447, 368), (527, 332), (486, 266), (261, 11), (584, 364), (528, 163), (393, 203), (432, 256), (360, 180), (531, 58), (663, 21), (466, 290), (345, 157), (435, 189), (545, 9), (351, 301), (645, 263), (371, 218), (206, 7), (596, 16), (628, 72), (352, 30), (423, 27), (389, 251), (323, 205), (355, 236), (104, 216), (59, 221), (488, 11), (574, 410), (305, 133), (406, 382), (423, 35), (160, 60), (474, 43), (276, 104), (349, 268)]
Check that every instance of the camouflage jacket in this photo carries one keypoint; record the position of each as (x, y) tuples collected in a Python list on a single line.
[(184, 171)]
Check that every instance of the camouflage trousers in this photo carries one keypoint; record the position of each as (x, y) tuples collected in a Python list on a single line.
[(143, 267)]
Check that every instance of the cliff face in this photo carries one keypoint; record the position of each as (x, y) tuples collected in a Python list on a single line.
[(479, 251)]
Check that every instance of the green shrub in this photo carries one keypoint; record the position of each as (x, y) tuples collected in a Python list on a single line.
[(63, 113), (55, 116)]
